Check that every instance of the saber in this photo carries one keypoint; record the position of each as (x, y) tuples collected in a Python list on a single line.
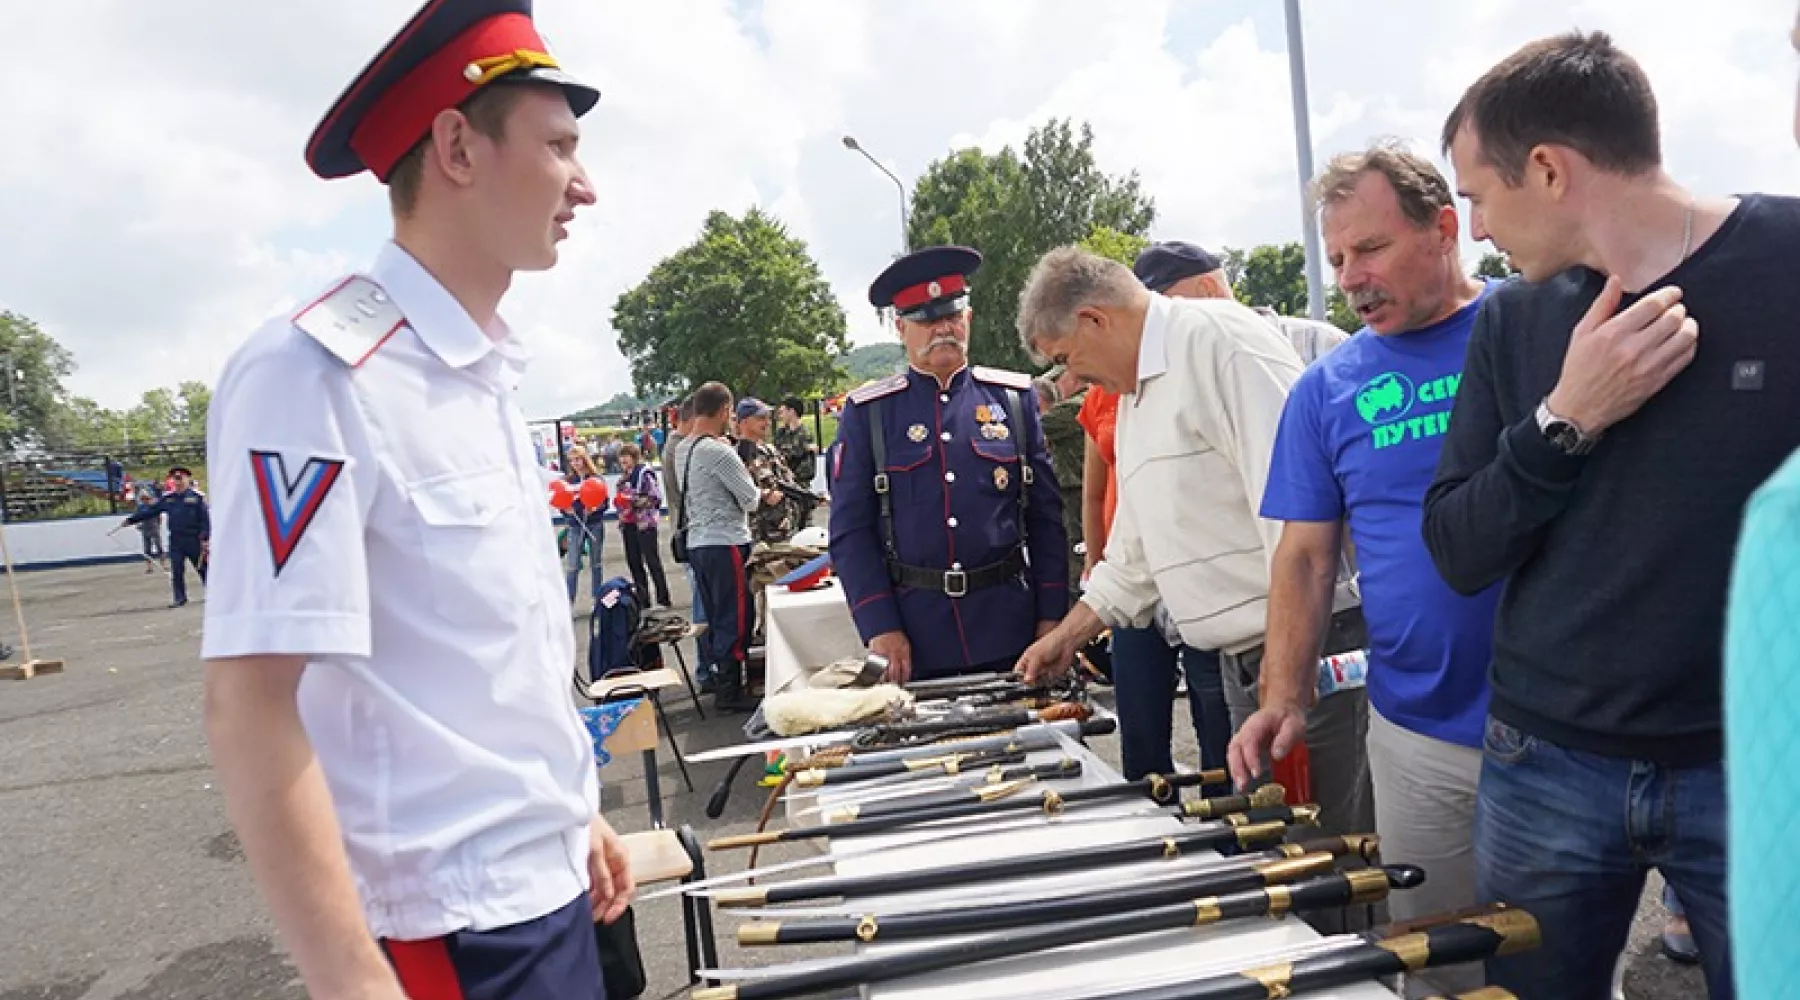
[(1498, 932), (997, 783), (1368, 885), (951, 763), (1185, 843), (1091, 727), (1009, 781), (888, 733), (1156, 787), (1042, 736), (869, 928), (877, 810), (1255, 845), (1067, 767)]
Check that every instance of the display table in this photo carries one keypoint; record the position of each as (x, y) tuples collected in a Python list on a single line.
[(1082, 969), (806, 631)]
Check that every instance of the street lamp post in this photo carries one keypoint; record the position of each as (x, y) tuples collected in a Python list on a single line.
[(1296, 46), (851, 144)]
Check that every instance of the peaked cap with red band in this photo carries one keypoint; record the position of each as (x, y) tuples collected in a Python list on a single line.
[(448, 51), (926, 284)]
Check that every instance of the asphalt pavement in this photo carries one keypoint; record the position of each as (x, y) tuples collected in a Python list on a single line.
[(120, 878)]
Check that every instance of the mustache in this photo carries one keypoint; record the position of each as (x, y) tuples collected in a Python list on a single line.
[(946, 340), (1367, 297)]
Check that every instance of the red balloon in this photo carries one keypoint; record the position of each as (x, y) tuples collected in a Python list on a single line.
[(561, 496), (593, 493)]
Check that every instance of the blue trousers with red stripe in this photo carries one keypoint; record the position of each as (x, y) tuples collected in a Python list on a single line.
[(725, 587), (550, 958)]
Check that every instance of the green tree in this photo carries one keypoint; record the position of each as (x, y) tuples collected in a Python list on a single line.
[(1109, 242), (1013, 208), (1274, 275), (33, 366), (744, 304), (1495, 265), (195, 399)]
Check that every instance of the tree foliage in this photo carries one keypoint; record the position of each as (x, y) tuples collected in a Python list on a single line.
[(1274, 275), (33, 366), (1109, 242), (744, 304), (872, 361), (1013, 208), (1495, 265)]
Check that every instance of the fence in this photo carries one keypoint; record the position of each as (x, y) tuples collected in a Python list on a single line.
[(47, 486)]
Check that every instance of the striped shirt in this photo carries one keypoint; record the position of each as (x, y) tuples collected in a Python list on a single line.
[(719, 492)]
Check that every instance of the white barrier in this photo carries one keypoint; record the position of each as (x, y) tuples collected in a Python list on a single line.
[(71, 542)]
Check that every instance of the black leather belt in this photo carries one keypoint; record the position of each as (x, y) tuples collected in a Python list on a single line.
[(958, 582)]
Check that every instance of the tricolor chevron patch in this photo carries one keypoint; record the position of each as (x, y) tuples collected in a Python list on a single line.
[(289, 505)]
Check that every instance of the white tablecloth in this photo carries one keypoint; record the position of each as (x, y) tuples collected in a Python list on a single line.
[(1101, 966), (806, 631)]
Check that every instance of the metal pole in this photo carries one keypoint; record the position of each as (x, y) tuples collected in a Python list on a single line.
[(905, 243), (1315, 280)]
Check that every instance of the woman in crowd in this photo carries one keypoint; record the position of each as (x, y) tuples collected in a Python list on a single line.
[(585, 527), (639, 499)]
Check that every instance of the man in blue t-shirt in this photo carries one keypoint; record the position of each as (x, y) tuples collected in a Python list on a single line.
[(1359, 443)]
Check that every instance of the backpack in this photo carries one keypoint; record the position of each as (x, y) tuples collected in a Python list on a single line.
[(612, 631)]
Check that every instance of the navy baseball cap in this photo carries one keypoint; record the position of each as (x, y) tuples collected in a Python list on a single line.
[(1163, 264), (750, 406)]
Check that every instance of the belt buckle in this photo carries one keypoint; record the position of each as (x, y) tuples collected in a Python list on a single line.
[(956, 583)]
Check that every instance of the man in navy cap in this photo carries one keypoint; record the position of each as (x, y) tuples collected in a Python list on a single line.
[(387, 639), (189, 529), (772, 522), (946, 523), (1185, 271)]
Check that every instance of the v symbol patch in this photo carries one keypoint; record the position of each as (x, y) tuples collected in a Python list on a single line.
[(288, 505)]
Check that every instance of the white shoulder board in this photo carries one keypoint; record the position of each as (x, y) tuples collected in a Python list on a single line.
[(352, 320)]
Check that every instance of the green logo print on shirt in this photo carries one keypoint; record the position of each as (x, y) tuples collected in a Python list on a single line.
[(1385, 400)]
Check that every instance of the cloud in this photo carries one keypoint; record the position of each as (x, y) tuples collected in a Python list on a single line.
[(159, 209)]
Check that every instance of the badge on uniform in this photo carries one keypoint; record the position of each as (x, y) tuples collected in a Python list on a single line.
[(995, 432), (289, 505), (917, 433), (1001, 478), (983, 413)]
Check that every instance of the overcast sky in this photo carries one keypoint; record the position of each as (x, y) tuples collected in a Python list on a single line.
[(156, 207)]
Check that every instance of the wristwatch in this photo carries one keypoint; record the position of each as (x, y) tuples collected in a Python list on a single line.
[(1565, 434)]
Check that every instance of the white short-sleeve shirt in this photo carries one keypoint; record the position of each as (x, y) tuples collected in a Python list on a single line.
[(377, 509)]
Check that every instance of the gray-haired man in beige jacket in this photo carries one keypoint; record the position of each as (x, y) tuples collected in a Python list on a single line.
[(1202, 384)]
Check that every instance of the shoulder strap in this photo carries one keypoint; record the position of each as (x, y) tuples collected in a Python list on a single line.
[(883, 488), (1027, 474), (352, 320), (687, 467)]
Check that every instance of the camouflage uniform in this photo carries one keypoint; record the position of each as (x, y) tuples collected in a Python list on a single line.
[(771, 523), (1068, 454), (798, 451)]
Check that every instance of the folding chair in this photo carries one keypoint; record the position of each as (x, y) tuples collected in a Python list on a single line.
[(654, 630), (660, 854), (630, 682)]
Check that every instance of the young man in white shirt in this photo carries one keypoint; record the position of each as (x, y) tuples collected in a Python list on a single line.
[(388, 645)]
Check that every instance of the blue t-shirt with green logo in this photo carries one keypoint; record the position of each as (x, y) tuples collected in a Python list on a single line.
[(1359, 439)]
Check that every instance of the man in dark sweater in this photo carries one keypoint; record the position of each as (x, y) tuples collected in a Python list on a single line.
[(1617, 408)]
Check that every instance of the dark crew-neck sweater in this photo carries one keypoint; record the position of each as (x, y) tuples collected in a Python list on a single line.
[(1610, 629)]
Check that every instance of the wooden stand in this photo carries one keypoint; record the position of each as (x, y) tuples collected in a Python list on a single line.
[(30, 667)]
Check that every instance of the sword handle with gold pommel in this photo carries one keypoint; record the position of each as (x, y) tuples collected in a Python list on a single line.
[(1267, 795)]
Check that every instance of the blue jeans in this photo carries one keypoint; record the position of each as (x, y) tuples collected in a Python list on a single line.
[(1144, 682), (1569, 836), (588, 543)]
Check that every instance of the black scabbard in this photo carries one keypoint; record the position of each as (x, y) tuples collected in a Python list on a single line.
[(873, 927), (1333, 890), (1185, 843), (946, 763), (1469, 939)]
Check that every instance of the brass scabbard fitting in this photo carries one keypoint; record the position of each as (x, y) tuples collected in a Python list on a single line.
[(754, 896), (759, 932)]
